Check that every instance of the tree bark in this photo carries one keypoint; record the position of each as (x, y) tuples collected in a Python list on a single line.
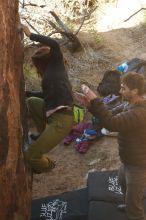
[(15, 184)]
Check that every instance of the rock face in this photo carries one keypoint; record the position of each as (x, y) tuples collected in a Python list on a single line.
[(15, 192)]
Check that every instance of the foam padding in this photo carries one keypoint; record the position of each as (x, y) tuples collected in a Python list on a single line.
[(105, 211), (104, 186), (67, 206)]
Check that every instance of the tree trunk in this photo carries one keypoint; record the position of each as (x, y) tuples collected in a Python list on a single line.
[(15, 184)]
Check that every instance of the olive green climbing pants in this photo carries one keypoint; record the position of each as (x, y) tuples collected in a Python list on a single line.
[(56, 127)]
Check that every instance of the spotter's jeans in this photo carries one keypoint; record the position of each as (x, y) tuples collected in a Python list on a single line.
[(133, 182)]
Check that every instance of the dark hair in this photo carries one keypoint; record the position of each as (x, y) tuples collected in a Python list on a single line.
[(110, 84), (134, 80), (40, 59)]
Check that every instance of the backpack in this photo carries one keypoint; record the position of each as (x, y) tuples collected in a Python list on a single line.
[(137, 65), (110, 83)]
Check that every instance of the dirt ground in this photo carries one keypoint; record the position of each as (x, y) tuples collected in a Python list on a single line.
[(71, 168)]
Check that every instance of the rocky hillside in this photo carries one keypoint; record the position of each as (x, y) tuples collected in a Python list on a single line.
[(106, 39)]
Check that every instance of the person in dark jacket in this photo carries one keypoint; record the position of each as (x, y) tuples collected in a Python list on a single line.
[(131, 125), (52, 114)]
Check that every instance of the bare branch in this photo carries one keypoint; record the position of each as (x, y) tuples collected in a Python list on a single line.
[(84, 18), (69, 37), (58, 30), (66, 29), (61, 24), (89, 14), (54, 26), (35, 5), (31, 26), (21, 3), (31, 4), (134, 14), (77, 31), (53, 32)]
